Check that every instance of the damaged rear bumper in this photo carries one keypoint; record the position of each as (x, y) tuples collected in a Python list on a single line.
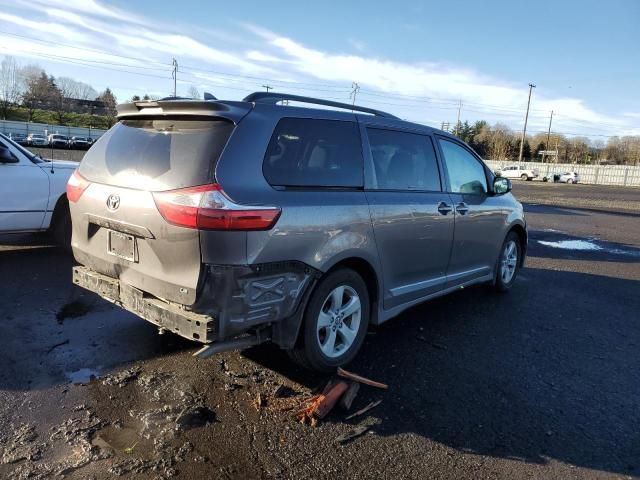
[(167, 316), (231, 301)]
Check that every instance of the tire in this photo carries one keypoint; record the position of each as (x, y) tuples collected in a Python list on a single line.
[(324, 345), (61, 225), (569, 181), (524, 177), (504, 280)]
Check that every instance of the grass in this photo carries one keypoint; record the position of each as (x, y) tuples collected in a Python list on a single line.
[(84, 120)]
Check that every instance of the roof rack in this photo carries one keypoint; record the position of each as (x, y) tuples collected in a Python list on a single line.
[(274, 97)]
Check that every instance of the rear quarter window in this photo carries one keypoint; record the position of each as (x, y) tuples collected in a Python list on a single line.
[(306, 152), (157, 154)]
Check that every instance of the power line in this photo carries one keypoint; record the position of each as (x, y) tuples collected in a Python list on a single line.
[(434, 103)]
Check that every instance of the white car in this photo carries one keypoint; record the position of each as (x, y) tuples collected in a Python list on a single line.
[(33, 192), (517, 171), (569, 177), (566, 177)]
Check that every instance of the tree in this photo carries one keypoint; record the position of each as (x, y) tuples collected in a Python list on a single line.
[(9, 85), (109, 100), (66, 90), (193, 92), (39, 90)]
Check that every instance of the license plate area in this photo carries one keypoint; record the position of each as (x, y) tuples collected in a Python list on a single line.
[(122, 245)]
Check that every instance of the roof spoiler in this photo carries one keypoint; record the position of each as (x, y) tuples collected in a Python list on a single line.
[(233, 111), (274, 97)]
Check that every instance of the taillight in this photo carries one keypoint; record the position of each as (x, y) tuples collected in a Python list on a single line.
[(75, 186), (206, 207)]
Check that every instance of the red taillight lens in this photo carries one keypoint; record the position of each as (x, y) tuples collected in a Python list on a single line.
[(76, 185), (207, 207)]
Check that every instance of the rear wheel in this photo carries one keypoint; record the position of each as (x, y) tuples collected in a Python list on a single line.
[(524, 176), (508, 263), (569, 181), (335, 322), (60, 228)]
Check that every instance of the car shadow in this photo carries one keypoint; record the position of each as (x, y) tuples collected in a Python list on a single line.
[(547, 372), (52, 329), (575, 211)]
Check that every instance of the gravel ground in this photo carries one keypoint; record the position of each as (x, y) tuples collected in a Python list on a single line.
[(598, 197), (543, 382)]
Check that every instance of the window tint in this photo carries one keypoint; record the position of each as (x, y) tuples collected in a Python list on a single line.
[(314, 153), (403, 161), (466, 173)]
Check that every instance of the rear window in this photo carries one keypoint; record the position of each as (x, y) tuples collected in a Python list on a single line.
[(157, 154), (307, 152)]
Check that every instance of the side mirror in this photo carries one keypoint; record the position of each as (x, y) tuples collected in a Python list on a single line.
[(6, 156), (501, 185)]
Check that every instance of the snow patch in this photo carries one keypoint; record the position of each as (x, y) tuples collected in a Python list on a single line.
[(572, 245)]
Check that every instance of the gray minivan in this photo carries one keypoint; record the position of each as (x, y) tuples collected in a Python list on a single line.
[(232, 223)]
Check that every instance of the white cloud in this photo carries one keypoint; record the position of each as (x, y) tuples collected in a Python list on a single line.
[(359, 45), (254, 56)]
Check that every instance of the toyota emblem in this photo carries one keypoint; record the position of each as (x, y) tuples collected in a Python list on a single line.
[(113, 202)]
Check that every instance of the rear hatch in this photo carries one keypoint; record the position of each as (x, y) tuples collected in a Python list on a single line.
[(118, 229)]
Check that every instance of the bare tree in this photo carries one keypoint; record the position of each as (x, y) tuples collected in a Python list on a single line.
[(66, 92), (9, 85), (193, 92), (86, 92)]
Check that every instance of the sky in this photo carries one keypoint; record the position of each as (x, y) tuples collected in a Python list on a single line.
[(417, 60)]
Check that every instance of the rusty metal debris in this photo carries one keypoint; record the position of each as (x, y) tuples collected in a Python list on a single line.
[(318, 406)]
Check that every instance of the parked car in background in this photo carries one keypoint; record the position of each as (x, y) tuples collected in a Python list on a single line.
[(518, 171), (567, 177), (37, 140), (32, 192), (58, 141), (80, 143), (263, 230), (19, 138)]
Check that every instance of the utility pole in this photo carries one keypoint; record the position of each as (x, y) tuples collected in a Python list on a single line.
[(458, 122), (526, 118), (267, 87), (174, 74), (548, 134), (549, 131), (354, 92)]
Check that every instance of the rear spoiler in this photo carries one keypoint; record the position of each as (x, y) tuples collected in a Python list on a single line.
[(229, 110)]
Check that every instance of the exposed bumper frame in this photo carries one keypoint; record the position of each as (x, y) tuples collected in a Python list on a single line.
[(166, 315)]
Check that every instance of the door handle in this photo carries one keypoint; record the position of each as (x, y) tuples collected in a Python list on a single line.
[(444, 208), (462, 208)]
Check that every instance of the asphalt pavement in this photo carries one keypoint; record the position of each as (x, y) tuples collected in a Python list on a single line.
[(542, 382)]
